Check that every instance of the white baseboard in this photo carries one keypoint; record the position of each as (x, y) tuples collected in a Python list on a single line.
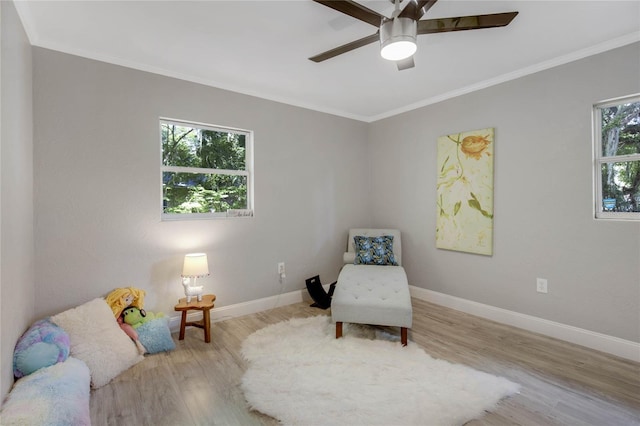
[(598, 341), (601, 342), (241, 309)]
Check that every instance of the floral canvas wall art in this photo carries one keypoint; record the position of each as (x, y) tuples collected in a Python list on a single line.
[(465, 192)]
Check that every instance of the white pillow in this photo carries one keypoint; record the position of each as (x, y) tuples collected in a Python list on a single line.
[(97, 339)]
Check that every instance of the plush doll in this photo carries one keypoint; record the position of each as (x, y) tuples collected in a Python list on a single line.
[(121, 298), (118, 300), (136, 317), (132, 333)]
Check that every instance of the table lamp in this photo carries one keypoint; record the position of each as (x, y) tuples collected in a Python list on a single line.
[(195, 266)]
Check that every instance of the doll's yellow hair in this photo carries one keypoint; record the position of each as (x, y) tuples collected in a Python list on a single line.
[(116, 299)]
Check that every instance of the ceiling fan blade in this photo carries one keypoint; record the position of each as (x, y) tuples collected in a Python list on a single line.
[(355, 10), (416, 9), (405, 64), (462, 23), (345, 48)]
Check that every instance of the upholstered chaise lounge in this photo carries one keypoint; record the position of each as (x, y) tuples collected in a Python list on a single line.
[(376, 292)]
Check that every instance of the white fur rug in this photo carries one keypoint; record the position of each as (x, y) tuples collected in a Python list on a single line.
[(300, 374)]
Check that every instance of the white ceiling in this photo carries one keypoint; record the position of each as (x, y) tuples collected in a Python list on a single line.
[(261, 47)]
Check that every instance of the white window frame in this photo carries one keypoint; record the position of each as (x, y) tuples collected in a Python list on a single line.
[(248, 172), (599, 159)]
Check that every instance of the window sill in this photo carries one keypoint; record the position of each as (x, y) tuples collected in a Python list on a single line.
[(618, 216), (232, 214)]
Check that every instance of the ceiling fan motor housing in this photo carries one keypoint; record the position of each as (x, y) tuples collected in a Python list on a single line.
[(398, 38)]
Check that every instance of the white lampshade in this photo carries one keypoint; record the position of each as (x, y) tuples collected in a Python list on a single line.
[(195, 265), (398, 39)]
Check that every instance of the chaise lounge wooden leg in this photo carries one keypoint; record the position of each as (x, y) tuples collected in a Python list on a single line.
[(403, 335), (338, 329)]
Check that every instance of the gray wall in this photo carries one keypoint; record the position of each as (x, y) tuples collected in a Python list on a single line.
[(96, 175), (543, 224), (97, 188), (16, 189)]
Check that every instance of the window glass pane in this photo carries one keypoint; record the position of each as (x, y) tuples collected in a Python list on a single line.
[(202, 193), (193, 147), (620, 129), (621, 186), (222, 150)]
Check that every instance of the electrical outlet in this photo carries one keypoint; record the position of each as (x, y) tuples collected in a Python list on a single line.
[(541, 285), (281, 268)]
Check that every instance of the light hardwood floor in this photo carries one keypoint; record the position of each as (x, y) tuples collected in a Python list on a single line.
[(198, 383)]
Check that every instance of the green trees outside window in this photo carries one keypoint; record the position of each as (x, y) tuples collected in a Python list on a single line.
[(618, 156), (204, 169)]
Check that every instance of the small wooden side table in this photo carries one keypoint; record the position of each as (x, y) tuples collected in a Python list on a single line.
[(205, 306)]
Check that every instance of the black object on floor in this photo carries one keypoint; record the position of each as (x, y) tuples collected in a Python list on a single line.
[(321, 298)]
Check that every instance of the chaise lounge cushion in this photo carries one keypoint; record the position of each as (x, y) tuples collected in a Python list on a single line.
[(368, 294)]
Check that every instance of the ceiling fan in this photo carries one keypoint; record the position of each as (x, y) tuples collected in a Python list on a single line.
[(397, 35)]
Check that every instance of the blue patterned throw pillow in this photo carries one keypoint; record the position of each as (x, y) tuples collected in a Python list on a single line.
[(374, 250)]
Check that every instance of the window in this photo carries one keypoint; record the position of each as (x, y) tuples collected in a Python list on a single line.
[(206, 171), (617, 158)]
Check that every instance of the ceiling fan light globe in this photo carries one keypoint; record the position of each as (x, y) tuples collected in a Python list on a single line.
[(398, 38), (398, 50)]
